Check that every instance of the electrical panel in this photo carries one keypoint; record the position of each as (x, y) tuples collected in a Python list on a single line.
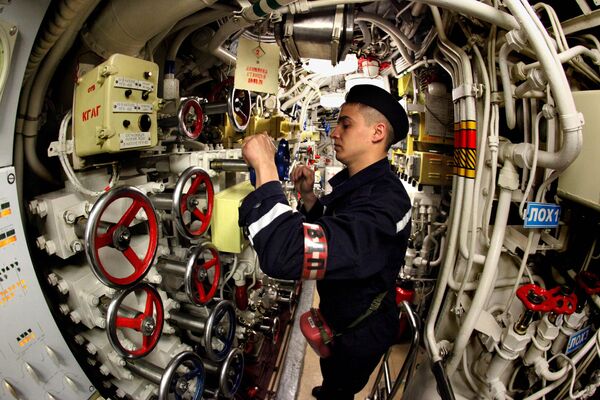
[(35, 361), (115, 107)]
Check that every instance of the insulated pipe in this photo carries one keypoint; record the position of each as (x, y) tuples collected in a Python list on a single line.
[(249, 16), (509, 180), (478, 10), (201, 20), (571, 121), (118, 28)]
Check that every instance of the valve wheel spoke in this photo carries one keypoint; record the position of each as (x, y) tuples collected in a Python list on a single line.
[(105, 239), (130, 214), (131, 323), (133, 258)]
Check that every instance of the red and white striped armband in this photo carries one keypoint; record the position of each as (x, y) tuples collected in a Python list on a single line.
[(315, 252)]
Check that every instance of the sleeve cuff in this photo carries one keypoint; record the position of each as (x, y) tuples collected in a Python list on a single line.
[(254, 200), (315, 212)]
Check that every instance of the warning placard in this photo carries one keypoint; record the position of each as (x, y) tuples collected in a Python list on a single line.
[(257, 66)]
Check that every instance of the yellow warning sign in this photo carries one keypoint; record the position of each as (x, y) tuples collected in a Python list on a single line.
[(257, 66)]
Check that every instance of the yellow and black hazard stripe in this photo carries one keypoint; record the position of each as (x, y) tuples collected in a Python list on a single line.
[(465, 148)]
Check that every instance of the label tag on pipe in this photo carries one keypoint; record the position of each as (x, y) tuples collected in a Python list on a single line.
[(578, 339), (541, 215), (257, 66)]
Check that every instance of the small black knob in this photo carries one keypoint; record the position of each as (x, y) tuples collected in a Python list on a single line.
[(148, 74), (128, 93), (126, 123), (145, 95), (145, 123)]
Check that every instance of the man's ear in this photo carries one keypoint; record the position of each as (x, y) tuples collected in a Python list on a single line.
[(378, 133)]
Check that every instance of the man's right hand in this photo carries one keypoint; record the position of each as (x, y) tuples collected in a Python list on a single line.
[(304, 180)]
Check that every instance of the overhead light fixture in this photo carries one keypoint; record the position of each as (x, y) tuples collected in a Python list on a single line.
[(324, 67)]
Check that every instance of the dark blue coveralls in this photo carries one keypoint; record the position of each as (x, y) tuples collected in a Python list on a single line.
[(366, 224)]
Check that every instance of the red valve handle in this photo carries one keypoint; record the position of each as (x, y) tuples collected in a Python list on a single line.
[(589, 282), (196, 119), (181, 199), (198, 286), (535, 298), (148, 323), (118, 237)]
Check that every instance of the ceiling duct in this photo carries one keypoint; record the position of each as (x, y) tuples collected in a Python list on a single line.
[(325, 33)]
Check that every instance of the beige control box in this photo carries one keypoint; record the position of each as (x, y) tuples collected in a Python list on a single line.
[(115, 107)]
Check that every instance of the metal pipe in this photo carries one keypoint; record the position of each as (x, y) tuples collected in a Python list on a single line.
[(219, 107), (162, 201), (488, 276), (229, 165), (405, 371), (186, 322), (171, 265), (478, 10), (146, 370), (571, 121)]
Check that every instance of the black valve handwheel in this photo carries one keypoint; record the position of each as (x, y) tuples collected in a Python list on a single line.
[(147, 323), (190, 220), (118, 237), (198, 273), (178, 383), (231, 372), (239, 105), (191, 118), (219, 331)]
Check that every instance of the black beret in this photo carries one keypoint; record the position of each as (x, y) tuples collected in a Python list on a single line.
[(385, 103)]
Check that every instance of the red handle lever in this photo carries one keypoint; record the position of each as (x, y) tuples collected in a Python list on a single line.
[(555, 300), (589, 282)]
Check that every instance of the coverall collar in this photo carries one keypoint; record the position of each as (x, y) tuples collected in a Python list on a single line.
[(343, 184)]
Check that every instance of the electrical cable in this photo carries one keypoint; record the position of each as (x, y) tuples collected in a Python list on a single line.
[(68, 169)]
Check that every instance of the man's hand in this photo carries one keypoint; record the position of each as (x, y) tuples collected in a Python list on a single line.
[(259, 152), (304, 180)]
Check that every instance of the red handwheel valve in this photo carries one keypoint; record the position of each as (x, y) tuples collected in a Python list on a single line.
[(191, 221), (105, 239), (124, 317), (202, 273)]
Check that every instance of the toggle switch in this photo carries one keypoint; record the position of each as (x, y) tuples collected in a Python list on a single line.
[(71, 383), (10, 389), (53, 355), (32, 372)]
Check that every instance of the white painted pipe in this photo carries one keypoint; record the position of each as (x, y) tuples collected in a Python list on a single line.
[(489, 270), (507, 87), (568, 55), (571, 121), (478, 10), (402, 42)]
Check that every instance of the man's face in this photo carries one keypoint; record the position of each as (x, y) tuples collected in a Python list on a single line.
[(352, 135)]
